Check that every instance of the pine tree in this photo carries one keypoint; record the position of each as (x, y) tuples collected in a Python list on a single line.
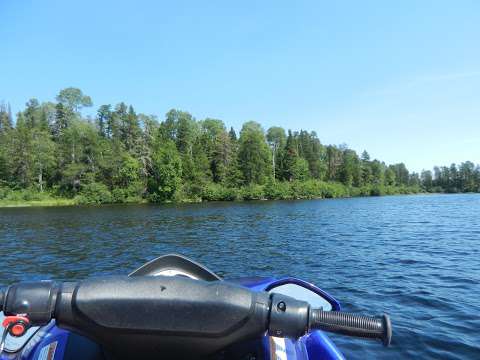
[(104, 122), (62, 120), (232, 134), (132, 131), (120, 127), (289, 158), (21, 153), (32, 113), (5, 119), (52, 146)]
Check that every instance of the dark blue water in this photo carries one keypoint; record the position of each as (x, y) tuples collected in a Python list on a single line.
[(414, 257)]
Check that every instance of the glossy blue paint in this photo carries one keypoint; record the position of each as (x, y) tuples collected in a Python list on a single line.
[(43, 338), (254, 283), (319, 346), (57, 335), (315, 345)]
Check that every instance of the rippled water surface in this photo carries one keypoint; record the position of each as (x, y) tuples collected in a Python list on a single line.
[(414, 257)]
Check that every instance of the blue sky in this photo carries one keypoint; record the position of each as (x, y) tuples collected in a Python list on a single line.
[(400, 79)]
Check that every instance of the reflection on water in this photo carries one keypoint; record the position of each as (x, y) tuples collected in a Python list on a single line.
[(414, 257)]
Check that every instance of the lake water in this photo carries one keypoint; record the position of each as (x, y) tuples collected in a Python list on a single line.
[(416, 258)]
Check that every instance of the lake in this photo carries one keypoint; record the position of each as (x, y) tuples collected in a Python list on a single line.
[(416, 258)]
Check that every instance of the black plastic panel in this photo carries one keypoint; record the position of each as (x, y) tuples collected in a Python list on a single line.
[(158, 316)]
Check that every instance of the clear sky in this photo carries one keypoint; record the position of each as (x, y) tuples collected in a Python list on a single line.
[(400, 79)]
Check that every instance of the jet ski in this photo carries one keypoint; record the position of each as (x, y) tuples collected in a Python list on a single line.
[(175, 308)]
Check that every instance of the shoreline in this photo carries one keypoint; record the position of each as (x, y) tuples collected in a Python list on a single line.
[(38, 203), (62, 202)]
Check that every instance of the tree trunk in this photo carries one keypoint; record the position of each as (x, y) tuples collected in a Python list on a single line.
[(40, 179), (273, 160), (73, 151)]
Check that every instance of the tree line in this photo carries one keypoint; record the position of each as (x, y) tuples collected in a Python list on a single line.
[(121, 155)]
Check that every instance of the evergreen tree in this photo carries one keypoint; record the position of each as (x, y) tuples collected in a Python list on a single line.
[(350, 171), (125, 154), (365, 156), (5, 130), (289, 158), (132, 131), (104, 121), (402, 175), (232, 134), (313, 151), (217, 146), (5, 119), (186, 132), (43, 151), (120, 123), (378, 173), (21, 153), (366, 169), (390, 177), (334, 162), (32, 113), (427, 180), (233, 176), (62, 120), (168, 128)]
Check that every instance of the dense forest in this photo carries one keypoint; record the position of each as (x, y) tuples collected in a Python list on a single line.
[(52, 151)]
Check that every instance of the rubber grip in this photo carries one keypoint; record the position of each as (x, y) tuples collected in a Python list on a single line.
[(352, 324)]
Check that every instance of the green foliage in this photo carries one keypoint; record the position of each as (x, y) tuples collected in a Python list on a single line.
[(217, 192), (43, 157), (300, 170), (276, 139), (350, 170), (313, 152), (123, 156), (390, 177), (254, 154), (128, 171), (133, 193), (6, 122), (189, 192), (453, 179), (94, 193), (289, 158), (278, 190), (30, 194), (73, 99), (166, 172), (252, 192), (332, 190)]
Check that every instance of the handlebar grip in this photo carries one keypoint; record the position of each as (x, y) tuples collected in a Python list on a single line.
[(352, 324)]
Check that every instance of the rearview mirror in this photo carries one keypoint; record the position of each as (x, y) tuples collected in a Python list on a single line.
[(301, 290)]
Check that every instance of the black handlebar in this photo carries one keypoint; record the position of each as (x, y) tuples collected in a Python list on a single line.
[(119, 312), (2, 298), (352, 324)]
